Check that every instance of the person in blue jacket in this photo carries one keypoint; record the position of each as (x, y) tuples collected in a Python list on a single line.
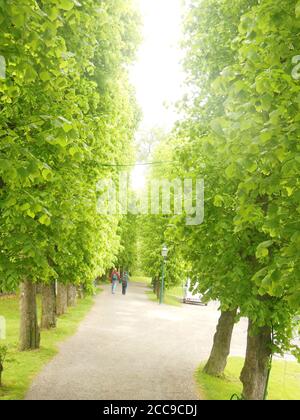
[(115, 278)]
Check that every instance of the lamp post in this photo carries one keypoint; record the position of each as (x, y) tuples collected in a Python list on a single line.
[(164, 254)]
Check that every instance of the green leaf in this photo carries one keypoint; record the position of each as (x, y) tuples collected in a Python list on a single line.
[(231, 171), (66, 4), (31, 214), (30, 74), (45, 76), (53, 14), (25, 206), (263, 249), (218, 201), (217, 127), (252, 167), (297, 9), (73, 150), (45, 220)]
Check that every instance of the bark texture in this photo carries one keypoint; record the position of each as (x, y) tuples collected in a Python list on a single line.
[(158, 288), (80, 291), (1, 371), (48, 306), (29, 329), (256, 368), (61, 299), (221, 348), (72, 295)]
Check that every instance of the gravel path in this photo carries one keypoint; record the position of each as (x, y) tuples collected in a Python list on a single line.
[(131, 348)]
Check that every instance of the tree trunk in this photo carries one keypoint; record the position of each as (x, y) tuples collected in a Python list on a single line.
[(61, 299), (80, 291), (158, 289), (221, 348), (72, 294), (256, 368), (155, 282), (1, 371), (29, 329), (48, 306)]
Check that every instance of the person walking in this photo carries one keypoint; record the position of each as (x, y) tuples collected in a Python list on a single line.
[(125, 280), (115, 278)]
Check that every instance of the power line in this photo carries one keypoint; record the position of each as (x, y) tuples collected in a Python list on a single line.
[(170, 162)]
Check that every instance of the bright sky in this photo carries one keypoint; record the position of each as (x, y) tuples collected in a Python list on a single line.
[(157, 74)]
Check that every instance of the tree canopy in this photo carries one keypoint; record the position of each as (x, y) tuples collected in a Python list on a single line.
[(67, 109)]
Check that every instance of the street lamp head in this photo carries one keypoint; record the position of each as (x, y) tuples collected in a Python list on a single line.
[(164, 251)]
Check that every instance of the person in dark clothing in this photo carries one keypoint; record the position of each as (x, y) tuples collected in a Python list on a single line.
[(125, 280)]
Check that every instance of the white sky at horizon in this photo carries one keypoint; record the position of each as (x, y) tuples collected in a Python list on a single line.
[(157, 74)]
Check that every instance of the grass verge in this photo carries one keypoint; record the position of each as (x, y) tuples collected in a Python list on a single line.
[(21, 368), (141, 279), (284, 381), (172, 296)]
